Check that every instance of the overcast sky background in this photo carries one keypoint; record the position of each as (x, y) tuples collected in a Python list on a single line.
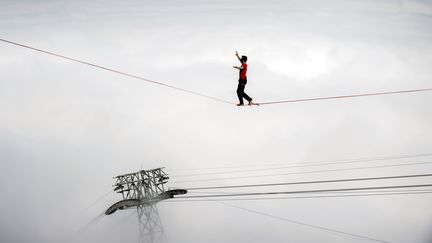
[(67, 129)]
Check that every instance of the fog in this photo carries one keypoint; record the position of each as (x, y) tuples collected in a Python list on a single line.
[(66, 129)]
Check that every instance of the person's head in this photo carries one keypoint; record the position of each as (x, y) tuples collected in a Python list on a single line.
[(243, 58)]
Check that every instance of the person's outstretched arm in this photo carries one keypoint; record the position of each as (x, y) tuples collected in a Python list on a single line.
[(238, 57)]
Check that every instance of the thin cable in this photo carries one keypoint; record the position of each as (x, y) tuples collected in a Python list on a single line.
[(403, 156), (346, 96), (302, 223), (118, 72), (97, 200), (355, 192), (116, 225), (309, 164), (306, 172), (91, 223), (311, 182), (309, 191), (362, 194)]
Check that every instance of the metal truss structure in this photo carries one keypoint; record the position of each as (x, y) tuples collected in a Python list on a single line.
[(143, 190)]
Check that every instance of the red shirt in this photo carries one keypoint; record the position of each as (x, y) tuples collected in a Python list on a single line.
[(243, 71)]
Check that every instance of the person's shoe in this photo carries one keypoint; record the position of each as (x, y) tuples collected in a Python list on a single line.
[(240, 104), (251, 103)]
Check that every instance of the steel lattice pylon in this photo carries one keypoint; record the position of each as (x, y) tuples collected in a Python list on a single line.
[(150, 226), (143, 190)]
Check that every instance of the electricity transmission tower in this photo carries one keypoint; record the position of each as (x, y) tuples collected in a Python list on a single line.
[(143, 190)]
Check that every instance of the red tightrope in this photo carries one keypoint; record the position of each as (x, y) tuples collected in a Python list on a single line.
[(204, 95), (346, 96), (118, 72)]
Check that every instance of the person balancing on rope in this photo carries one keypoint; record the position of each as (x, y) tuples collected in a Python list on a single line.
[(242, 81)]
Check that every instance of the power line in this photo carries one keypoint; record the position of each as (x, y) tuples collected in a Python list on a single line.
[(362, 194), (117, 71), (391, 157), (306, 172), (310, 191), (309, 164), (302, 223), (355, 192), (311, 182), (345, 96), (116, 225), (97, 200), (92, 222)]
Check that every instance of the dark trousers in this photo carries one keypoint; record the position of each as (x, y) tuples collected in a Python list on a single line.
[(241, 94)]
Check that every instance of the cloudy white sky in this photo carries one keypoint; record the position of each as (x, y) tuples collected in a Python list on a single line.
[(67, 129)]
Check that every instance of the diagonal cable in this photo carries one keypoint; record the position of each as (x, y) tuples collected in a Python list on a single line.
[(346, 96), (302, 223), (117, 71)]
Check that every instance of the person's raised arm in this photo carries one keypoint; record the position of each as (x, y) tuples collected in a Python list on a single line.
[(238, 57)]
